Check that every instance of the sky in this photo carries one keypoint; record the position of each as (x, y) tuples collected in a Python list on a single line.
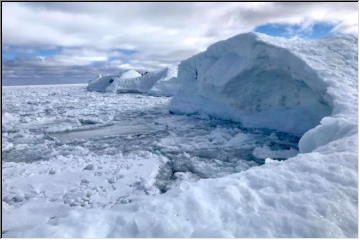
[(69, 42)]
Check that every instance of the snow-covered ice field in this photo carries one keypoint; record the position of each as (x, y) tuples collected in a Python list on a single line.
[(66, 150), (90, 164)]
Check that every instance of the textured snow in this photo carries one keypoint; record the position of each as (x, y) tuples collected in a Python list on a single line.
[(193, 176), (160, 83)]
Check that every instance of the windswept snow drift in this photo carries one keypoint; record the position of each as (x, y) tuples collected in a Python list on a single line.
[(162, 82)]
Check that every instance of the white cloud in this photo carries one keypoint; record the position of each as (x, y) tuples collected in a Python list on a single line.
[(161, 33), (158, 26), (78, 57)]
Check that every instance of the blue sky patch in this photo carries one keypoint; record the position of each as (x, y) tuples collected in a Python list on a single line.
[(127, 51), (12, 52), (317, 30)]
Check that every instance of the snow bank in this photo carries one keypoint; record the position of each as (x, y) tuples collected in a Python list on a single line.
[(162, 82), (310, 195)]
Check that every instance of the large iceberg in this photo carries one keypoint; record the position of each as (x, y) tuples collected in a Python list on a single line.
[(267, 82), (162, 82)]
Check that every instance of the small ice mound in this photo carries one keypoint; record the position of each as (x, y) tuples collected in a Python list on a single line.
[(265, 152), (130, 74), (241, 140), (248, 79)]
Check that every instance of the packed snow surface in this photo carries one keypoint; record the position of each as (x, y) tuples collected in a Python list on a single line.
[(161, 83), (89, 164)]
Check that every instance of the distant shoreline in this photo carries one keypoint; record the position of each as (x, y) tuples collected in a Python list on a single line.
[(45, 85)]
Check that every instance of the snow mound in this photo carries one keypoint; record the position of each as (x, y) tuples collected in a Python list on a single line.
[(161, 83), (130, 74), (265, 82)]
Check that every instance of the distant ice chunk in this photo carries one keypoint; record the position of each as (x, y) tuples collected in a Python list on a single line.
[(241, 139), (162, 82), (266, 152), (101, 83)]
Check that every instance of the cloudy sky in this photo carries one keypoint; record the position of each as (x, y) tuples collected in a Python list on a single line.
[(45, 43)]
